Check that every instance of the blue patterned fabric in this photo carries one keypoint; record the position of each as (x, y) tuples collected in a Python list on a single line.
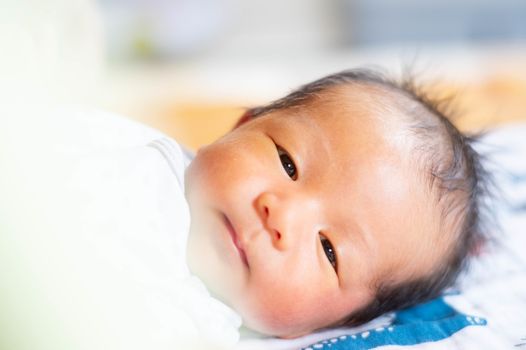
[(428, 322)]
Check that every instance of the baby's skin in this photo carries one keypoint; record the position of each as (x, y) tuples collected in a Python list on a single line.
[(298, 214)]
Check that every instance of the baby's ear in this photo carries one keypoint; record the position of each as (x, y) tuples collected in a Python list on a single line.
[(247, 116)]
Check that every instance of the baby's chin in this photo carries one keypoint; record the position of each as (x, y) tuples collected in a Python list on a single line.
[(274, 319), (278, 327)]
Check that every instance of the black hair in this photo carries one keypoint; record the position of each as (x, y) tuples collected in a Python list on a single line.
[(451, 167)]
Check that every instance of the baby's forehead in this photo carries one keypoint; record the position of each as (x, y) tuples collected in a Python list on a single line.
[(390, 112), (382, 103)]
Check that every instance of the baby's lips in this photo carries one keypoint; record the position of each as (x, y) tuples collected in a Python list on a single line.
[(236, 239), (243, 256)]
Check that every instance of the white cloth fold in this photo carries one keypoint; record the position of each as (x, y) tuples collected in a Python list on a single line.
[(106, 247)]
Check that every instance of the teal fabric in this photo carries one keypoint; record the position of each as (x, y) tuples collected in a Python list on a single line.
[(428, 322)]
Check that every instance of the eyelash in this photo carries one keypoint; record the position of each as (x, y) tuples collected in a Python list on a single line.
[(291, 171), (329, 251), (287, 163)]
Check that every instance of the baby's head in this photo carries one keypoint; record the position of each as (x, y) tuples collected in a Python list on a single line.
[(348, 198)]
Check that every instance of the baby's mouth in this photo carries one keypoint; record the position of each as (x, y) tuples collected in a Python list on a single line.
[(235, 239)]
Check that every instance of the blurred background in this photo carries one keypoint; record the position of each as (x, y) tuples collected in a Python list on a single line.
[(189, 67)]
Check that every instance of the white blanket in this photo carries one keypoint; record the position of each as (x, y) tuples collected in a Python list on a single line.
[(95, 242)]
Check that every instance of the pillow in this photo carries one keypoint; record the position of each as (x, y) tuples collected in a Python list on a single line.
[(428, 322)]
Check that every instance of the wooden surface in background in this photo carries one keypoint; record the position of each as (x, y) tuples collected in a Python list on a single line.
[(497, 101), (194, 124)]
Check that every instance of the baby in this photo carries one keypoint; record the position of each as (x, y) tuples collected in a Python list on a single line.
[(350, 197)]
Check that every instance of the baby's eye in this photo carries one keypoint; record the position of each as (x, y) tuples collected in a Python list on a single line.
[(329, 250), (287, 163)]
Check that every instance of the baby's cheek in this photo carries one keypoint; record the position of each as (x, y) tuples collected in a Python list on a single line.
[(282, 314)]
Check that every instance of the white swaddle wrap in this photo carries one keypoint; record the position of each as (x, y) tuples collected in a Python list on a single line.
[(108, 257)]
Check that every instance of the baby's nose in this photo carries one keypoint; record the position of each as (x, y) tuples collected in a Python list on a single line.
[(285, 218)]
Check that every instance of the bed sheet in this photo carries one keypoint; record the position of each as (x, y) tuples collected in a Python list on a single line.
[(486, 310)]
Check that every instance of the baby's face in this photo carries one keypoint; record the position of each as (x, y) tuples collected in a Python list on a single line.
[(297, 213)]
